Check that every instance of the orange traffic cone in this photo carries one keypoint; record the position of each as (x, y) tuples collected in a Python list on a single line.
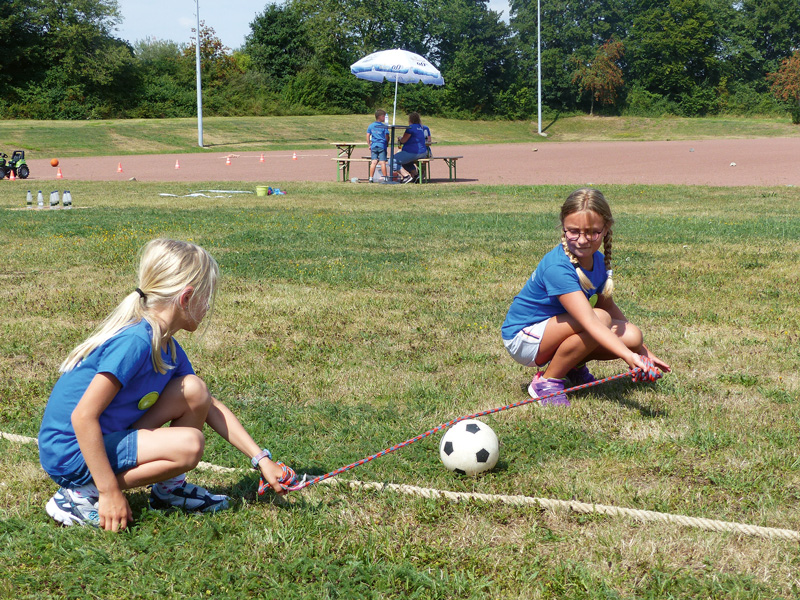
[(11, 175), (262, 157), (119, 168), (294, 155), (227, 160), (177, 164), (58, 174)]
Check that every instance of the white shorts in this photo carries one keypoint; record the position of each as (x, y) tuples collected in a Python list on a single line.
[(524, 347)]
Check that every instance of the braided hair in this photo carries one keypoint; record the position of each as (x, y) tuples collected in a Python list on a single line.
[(588, 199)]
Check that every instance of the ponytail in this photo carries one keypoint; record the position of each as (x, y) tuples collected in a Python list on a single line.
[(166, 267)]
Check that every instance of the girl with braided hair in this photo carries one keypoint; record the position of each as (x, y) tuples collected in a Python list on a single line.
[(551, 324), (103, 428)]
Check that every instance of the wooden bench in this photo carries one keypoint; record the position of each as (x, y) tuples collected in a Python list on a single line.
[(425, 167), (343, 167)]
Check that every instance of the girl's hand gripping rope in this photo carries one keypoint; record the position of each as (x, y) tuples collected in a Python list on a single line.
[(647, 372), (287, 479)]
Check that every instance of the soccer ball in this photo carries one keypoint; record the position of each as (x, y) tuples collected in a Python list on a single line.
[(469, 447)]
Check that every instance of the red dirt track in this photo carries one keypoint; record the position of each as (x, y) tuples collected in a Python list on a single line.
[(729, 162)]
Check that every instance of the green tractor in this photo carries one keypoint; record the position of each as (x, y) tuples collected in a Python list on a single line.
[(15, 165)]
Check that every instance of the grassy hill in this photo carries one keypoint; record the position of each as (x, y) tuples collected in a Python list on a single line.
[(43, 139)]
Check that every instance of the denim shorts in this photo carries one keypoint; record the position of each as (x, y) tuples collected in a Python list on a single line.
[(524, 346), (121, 447), (378, 154)]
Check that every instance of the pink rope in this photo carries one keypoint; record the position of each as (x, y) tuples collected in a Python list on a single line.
[(291, 483)]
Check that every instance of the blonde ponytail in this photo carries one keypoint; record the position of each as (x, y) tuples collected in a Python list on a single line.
[(166, 268)]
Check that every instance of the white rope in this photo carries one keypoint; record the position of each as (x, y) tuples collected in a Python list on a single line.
[(572, 505), (21, 439), (580, 507)]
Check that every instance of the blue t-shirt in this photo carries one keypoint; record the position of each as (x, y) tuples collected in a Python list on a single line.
[(126, 356), (379, 135), (554, 276), (416, 143)]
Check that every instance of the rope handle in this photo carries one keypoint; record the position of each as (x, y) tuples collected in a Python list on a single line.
[(288, 479), (291, 483), (649, 374)]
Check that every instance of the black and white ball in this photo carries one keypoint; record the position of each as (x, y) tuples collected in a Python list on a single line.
[(469, 447)]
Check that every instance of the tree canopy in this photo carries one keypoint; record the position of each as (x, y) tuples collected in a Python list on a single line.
[(686, 57)]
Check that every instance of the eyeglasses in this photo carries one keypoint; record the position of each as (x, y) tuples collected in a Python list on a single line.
[(573, 235)]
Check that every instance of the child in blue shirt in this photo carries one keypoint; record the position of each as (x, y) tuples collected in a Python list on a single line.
[(102, 430), (552, 325), (378, 140), (426, 131)]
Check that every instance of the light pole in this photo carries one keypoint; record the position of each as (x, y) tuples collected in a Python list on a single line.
[(539, 61), (200, 86)]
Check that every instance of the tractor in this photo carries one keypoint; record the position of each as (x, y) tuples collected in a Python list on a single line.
[(16, 165)]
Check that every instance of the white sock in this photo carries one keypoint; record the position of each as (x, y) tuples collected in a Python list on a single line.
[(86, 491), (169, 485)]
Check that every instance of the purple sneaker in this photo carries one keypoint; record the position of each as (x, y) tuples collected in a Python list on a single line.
[(545, 388), (581, 375)]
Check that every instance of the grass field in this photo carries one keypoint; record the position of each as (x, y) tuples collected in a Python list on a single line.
[(348, 321), (45, 139)]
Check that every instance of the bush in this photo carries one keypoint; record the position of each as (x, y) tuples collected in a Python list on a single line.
[(746, 99), (699, 102), (640, 102), (518, 102), (422, 98), (327, 90)]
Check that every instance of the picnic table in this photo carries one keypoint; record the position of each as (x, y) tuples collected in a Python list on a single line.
[(344, 157)]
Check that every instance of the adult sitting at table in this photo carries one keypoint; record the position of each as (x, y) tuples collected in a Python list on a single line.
[(413, 143)]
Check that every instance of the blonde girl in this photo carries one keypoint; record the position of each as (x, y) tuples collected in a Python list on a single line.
[(551, 324), (102, 428)]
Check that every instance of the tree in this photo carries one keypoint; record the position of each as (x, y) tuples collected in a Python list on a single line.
[(278, 44), (674, 51), (568, 29), (472, 47), (166, 90), (786, 83), (773, 26), (602, 76), (69, 65)]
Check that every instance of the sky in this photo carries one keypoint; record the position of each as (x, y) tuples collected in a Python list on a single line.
[(174, 19)]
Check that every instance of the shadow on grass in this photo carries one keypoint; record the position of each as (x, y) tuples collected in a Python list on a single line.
[(551, 123), (615, 391)]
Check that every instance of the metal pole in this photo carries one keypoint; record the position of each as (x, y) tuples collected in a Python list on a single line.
[(539, 60), (394, 108), (199, 84)]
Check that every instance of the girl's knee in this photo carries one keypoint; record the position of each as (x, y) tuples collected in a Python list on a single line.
[(603, 316), (196, 391), (192, 443), (632, 336)]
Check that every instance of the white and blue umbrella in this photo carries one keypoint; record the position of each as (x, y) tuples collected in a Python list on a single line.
[(400, 66)]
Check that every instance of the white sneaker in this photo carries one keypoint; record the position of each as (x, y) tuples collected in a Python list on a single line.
[(68, 509), (188, 497)]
